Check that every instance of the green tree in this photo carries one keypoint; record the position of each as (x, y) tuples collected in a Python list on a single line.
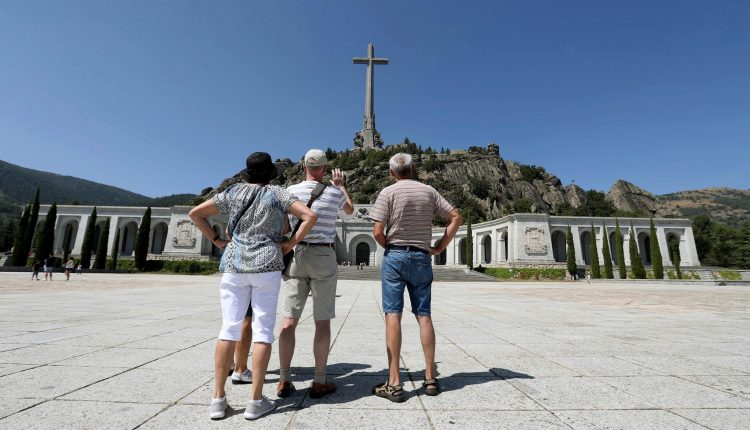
[(571, 253), (101, 250), (115, 249), (67, 239), (596, 272), (469, 245), (636, 263), (620, 251), (19, 258), (606, 255), (676, 263), (656, 261), (30, 229), (47, 238), (88, 241), (702, 227), (141, 240), (723, 247)]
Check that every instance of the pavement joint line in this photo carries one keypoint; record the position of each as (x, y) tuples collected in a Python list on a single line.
[(100, 380), (173, 403)]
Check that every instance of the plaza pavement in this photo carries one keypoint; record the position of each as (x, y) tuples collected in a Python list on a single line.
[(135, 351)]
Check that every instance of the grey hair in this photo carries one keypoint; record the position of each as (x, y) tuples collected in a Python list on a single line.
[(400, 165)]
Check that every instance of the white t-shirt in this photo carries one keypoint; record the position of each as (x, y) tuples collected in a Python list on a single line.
[(326, 207)]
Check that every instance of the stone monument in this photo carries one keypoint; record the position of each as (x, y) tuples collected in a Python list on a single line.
[(368, 137)]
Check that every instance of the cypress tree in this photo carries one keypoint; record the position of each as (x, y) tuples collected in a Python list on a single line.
[(469, 246), (19, 258), (30, 229), (115, 249), (101, 250), (67, 237), (47, 237), (636, 263), (88, 241), (676, 263), (620, 251), (571, 253), (656, 262), (606, 254), (141, 240), (595, 270)]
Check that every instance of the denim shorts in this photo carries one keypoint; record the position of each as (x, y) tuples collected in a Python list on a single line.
[(411, 270)]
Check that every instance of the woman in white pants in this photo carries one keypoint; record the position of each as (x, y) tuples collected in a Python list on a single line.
[(251, 266)]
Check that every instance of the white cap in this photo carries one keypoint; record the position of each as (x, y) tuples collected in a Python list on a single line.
[(315, 158)]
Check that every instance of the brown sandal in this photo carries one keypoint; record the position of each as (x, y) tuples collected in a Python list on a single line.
[(431, 387), (394, 393)]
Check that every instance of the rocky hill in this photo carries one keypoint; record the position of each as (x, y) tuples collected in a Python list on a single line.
[(479, 182), (730, 206)]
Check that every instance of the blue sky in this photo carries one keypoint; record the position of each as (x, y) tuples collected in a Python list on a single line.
[(167, 97)]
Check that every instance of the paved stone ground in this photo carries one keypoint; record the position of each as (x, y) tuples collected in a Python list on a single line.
[(135, 351)]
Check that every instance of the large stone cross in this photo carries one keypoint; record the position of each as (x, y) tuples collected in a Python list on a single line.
[(368, 137)]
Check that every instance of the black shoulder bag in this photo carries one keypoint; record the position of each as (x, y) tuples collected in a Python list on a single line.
[(316, 192)]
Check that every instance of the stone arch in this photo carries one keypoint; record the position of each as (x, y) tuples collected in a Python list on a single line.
[(462, 251), (644, 246), (503, 247), (360, 254), (559, 246), (673, 245), (159, 237), (613, 246), (72, 226), (487, 249), (442, 258), (586, 246), (127, 238)]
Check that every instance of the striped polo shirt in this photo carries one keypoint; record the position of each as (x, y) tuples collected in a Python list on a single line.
[(326, 207), (407, 208)]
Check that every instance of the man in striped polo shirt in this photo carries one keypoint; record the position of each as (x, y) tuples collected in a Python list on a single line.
[(405, 210), (313, 269)]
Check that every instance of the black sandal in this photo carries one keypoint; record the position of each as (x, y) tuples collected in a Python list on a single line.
[(434, 383), (394, 393)]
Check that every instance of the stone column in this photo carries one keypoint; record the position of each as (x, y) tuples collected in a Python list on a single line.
[(688, 252), (661, 237), (82, 224), (495, 249), (626, 238), (450, 255), (577, 245)]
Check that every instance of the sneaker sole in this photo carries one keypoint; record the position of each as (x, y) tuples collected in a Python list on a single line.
[(217, 417), (256, 416), (241, 382)]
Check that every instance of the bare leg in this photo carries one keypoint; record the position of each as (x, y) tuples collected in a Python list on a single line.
[(222, 361), (242, 348), (287, 341), (322, 345), (393, 343), (427, 336), (261, 356)]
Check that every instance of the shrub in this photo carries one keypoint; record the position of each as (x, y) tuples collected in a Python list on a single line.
[(571, 253), (636, 263), (141, 240), (525, 274), (606, 255), (656, 260), (729, 275)]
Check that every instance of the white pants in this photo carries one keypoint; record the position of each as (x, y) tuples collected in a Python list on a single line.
[(236, 292)]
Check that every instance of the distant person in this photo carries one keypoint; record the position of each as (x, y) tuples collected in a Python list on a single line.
[(79, 268), (251, 270), (35, 269), (588, 277), (69, 266), (49, 266), (313, 270), (403, 214)]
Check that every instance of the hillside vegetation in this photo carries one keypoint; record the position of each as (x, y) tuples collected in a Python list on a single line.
[(727, 205)]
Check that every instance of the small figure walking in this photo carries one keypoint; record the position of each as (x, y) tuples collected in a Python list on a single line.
[(49, 266), (588, 277), (69, 266), (35, 274), (79, 268)]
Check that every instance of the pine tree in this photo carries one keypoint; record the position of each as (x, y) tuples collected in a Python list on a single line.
[(47, 237), (19, 258), (141, 240), (30, 230), (101, 250), (67, 239), (571, 253), (620, 251), (469, 246), (656, 262), (88, 241), (676, 263), (606, 255), (115, 250), (636, 263), (595, 270)]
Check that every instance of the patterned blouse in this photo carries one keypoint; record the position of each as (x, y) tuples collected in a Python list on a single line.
[(254, 247)]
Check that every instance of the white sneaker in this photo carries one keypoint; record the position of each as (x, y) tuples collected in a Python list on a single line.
[(256, 411), (218, 408), (245, 377)]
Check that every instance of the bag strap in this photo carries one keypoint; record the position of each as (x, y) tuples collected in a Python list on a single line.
[(316, 192), (247, 206)]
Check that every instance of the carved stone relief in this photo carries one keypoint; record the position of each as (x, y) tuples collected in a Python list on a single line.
[(184, 236), (536, 243)]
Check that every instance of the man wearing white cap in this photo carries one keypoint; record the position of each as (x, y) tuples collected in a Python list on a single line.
[(313, 269)]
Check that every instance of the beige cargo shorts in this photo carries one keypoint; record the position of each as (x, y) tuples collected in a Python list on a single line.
[(313, 269)]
